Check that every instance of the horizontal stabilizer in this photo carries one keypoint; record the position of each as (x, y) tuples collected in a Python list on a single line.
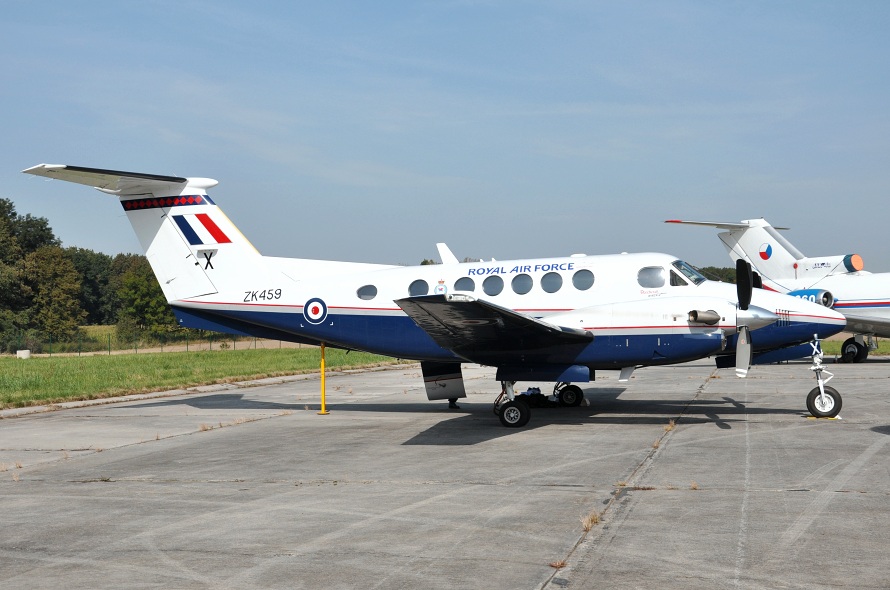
[(722, 224), (117, 182)]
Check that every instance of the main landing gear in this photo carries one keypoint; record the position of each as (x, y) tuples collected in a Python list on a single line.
[(855, 350), (514, 409), (822, 401)]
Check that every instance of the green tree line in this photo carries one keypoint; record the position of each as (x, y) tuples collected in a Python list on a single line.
[(48, 292)]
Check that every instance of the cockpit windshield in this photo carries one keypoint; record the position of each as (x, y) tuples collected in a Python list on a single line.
[(690, 273)]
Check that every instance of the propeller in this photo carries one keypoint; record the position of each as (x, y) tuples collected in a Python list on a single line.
[(744, 282), (747, 317), (743, 352)]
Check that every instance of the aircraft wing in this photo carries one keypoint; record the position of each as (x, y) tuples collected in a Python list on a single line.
[(866, 324), (117, 182), (488, 334)]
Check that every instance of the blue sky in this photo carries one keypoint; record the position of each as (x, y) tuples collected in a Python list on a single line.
[(370, 131)]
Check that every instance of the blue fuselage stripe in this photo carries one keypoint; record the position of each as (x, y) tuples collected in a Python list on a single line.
[(399, 337)]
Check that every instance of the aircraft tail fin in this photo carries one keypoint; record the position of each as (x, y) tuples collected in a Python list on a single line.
[(774, 257), (757, 242), (193, 248)]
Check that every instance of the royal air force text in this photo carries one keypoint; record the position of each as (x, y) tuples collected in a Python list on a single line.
[(502, 270)]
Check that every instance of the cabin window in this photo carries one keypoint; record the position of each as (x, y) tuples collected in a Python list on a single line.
[(551, 282), (493, 285), (651, 277), (583, 279), (418, 287), (367, 292), (465, 284), (522, 284)]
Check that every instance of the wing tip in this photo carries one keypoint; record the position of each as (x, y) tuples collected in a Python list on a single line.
[(43, 168)]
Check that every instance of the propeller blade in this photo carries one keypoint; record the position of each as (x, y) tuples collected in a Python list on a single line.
[(743, 352), (744, 282), (758, 281)]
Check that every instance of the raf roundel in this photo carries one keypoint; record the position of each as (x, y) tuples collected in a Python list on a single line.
[(315, 311), (766, 251)]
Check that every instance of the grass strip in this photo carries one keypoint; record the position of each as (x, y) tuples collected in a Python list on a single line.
[(833, 348), (47, 380)]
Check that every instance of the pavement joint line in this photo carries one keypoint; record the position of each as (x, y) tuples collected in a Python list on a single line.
[(622, 491)]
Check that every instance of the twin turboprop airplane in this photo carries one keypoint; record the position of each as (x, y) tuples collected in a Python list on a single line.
[(552, 319), (838, 281)]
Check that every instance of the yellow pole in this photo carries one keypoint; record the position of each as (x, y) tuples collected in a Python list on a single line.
[(324, 410)]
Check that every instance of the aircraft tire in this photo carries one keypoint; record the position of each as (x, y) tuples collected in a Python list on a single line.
[(515, 414), (830, 409), (853, 352), (571, 396)]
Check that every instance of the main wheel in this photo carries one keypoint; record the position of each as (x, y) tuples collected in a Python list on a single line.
[(853, 352), (827, 408), (571, 396), (515, 414)]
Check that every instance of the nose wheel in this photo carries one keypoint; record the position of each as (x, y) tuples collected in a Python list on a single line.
[(825, 403), (822, 401)]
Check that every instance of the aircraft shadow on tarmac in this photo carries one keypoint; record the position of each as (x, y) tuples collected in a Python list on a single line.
[(221, 401), (476, 423), (479, 424)]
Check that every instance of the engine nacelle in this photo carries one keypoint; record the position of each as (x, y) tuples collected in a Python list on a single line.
[(820, 296), (810, 268), (709, 317)]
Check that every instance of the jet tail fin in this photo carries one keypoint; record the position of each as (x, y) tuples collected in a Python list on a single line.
[(774, 257), (193, 248), (757, 242)]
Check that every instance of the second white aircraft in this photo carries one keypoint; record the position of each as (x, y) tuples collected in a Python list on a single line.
[(837, 281)]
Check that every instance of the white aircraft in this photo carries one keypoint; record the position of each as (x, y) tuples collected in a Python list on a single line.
[(838, 281), (551, 319)]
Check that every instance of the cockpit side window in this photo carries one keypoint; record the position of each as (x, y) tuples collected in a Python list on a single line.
[(695, 277), (676, 281)]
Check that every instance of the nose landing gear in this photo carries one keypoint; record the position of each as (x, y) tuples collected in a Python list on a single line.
[(822, 401)]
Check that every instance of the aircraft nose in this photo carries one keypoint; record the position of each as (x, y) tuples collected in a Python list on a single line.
[(823, 321), (755, 317)]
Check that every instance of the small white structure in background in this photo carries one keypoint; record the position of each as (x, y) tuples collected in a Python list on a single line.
[(23, 354)]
